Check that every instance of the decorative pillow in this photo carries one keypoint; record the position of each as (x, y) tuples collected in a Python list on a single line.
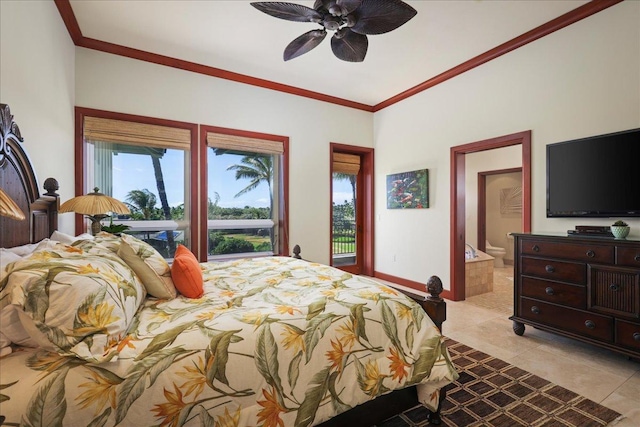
[(9, 255), (70, 301), (152, 269), (186, 273)]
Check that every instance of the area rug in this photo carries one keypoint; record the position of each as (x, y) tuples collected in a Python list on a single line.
[(491, 392)]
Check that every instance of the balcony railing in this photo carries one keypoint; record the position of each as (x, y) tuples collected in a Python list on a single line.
[(344, 236)]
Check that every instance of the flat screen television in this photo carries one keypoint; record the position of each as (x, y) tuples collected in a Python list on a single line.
[(597, 176)]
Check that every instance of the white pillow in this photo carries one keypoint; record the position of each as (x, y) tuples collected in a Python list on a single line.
[(6, 258), (24, 250), (30, 248), (68, 238)]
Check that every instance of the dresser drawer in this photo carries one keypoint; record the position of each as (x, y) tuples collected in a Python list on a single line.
[(590, 252), (628, 256), (628, 334), (614, 290), (564, 271), (579, 322), (558, 293)]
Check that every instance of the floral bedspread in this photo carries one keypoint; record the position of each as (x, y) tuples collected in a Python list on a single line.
[(273, 342)]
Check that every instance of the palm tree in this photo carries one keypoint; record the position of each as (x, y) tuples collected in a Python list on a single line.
[(213, 205), (142, 201), (157, 168), (257, 168), (347, 177)]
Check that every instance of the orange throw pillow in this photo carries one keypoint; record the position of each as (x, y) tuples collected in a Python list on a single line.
[(186, 273)]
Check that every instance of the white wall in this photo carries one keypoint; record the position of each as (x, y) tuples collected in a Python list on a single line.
[(37, 82), (115, 83), (580, 81)]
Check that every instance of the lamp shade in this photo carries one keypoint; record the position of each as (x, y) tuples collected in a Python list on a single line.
[(9, 208), (93, 204)]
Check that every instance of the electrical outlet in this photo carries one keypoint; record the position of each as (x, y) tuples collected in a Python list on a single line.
[(394, 257)]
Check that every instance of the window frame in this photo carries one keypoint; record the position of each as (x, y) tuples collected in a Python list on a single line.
[(282, 187), (81, 161)]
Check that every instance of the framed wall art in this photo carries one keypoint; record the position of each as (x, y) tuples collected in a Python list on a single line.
[(511, 200), (408, 190)]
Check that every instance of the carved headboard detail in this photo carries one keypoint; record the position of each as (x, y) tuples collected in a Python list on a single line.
[(19, 181)]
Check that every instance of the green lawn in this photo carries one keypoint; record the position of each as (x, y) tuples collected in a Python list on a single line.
[(253, 238)]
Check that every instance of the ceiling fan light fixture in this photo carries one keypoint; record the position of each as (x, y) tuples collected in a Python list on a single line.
[(352, 21)]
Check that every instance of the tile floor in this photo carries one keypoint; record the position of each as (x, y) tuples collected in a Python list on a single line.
[(606, 377), (601, 375)]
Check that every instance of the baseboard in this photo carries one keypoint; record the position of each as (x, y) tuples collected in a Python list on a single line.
[(422, 287)]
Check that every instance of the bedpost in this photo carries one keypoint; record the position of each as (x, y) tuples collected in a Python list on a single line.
[(435, 306), (432, 304), (296, 252), (52, 186)]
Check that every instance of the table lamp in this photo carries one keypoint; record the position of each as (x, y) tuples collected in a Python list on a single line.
[(95, 206)]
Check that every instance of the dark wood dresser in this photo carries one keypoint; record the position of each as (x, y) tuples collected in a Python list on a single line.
[(582, 287)]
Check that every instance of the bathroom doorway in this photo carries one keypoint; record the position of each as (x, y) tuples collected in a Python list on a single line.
[(499, 209), (458, 207)]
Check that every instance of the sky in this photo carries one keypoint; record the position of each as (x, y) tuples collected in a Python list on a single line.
[(173, 172)]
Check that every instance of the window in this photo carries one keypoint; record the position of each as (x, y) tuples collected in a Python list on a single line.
[(145, 165), (245, 191), (223, 198)]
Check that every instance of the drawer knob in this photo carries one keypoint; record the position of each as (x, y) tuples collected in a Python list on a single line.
[(590, 324), (535, 310), (536, 248), (637, 258), (614, 287), (591, 254), (549, 290), (636, 336), (550, 269)]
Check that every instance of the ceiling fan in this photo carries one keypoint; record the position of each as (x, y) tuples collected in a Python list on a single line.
[(352, 21)]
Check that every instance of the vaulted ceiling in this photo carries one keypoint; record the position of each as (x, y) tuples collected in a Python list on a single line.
[(233, 40)]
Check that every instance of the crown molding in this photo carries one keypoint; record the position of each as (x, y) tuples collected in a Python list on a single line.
[(543, 30), (571, 17)]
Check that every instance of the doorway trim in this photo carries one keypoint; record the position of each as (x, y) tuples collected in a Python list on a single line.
[(366, 171), (457, 239)]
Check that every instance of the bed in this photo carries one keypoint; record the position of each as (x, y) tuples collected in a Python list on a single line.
[(88, 338)]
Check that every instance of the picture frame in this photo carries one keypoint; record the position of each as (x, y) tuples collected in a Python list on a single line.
[(408, 190)]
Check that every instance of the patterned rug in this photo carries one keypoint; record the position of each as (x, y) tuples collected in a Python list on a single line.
[(491, 392)]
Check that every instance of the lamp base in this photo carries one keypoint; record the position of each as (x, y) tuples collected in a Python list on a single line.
[(96, 226)]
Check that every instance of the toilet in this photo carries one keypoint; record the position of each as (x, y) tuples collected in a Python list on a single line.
[(497, 253)]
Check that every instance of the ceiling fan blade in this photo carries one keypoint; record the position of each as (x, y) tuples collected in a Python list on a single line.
[(349, 5), (349, 46), (304, 44), (381, 16), (288, 11)]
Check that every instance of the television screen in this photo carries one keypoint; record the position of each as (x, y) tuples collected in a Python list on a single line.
[(595, 177)]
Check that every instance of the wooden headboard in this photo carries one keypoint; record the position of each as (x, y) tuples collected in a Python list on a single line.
[(19, 181)]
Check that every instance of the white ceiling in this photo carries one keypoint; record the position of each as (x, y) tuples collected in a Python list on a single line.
[(233, 36)]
